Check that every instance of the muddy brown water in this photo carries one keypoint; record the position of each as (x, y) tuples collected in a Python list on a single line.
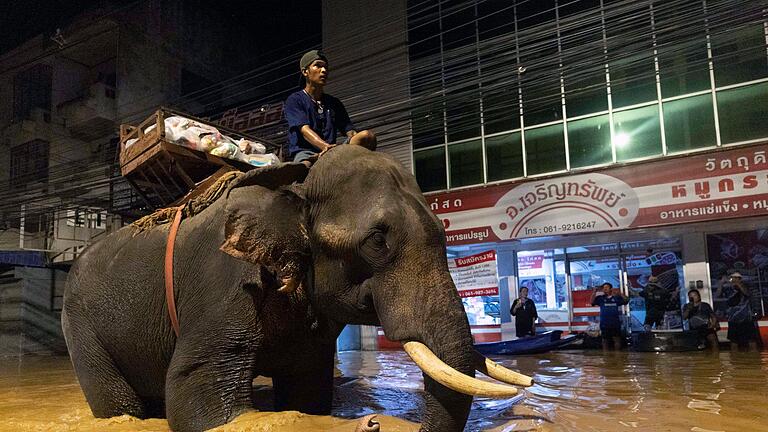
[(574, 391)]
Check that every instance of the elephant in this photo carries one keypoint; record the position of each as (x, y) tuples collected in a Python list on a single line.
[(265, 277)]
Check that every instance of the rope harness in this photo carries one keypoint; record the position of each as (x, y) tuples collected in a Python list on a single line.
[(169, 297)]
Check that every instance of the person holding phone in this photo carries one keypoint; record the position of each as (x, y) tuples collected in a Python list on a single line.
[(524, 311)]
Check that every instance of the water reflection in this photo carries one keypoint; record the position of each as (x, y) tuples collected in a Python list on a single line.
[(574, 391)]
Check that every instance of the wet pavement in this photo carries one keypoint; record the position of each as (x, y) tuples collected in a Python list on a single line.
[(574, 391)]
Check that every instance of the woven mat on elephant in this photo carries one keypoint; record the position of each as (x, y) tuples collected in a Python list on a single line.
[(193, 207)]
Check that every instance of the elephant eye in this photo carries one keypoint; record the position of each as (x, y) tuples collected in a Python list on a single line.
[(378, 240)]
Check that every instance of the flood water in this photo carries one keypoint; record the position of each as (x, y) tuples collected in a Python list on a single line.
[(574, 391)]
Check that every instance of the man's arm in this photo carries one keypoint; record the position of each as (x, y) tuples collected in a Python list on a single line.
[(593, 297), (313, 138), (513, 310), (741, 287), (687, 309), (719, 292)]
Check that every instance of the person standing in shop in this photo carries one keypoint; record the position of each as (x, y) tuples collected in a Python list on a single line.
[(656, 300), (524, 311), (742, 331)]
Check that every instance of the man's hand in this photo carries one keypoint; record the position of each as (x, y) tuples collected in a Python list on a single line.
[(327, 147)]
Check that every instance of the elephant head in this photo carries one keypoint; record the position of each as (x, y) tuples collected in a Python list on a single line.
[(358, 234)]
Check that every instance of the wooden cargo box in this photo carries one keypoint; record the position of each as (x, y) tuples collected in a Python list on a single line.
[(164, 173)]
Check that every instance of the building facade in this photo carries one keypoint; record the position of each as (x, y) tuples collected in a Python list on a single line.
[(588, 141), (63, 97)]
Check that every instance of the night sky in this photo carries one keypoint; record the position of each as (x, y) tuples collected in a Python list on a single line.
[(275, 21)]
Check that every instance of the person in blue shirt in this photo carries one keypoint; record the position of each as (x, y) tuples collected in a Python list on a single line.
[(610, 314), (314, 117)]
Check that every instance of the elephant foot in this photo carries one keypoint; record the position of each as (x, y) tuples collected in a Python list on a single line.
[(368, 424)]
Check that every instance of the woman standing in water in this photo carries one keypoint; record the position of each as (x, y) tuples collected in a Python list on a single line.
[(524, 311)]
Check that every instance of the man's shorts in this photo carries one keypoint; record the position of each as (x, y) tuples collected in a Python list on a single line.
[(742, 332), (306, 154), (303, 155), (610, 332), (653, 316)]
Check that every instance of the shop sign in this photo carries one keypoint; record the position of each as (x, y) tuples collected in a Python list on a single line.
[(727, 184), (528, 262), (475, 275)]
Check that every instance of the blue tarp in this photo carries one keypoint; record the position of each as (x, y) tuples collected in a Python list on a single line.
[(24, 258)]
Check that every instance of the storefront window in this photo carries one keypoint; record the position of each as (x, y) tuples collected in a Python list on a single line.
[(629, 34), (667, 268), (637, 133), (466, 163), (476, 278), (504, 156), (739, 54), (501, 110), (689, 123), (429, 166), (545, 149), (743, 112), (543, 273), (427, 123), (540, 84), (589, 141), (686, 70), (581, 36), (745, 252), (496, 31), (463, 118)]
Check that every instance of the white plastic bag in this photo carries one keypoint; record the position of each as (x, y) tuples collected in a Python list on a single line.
[(262, 159)]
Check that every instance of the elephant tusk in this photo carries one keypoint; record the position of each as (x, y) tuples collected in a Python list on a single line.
[(450, 377), (368, 424), (499, 372)]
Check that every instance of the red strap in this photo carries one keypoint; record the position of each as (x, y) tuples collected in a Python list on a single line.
[(169, 298)]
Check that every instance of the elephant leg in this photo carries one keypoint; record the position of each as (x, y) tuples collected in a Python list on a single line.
[(209, 383), (310, 392), (106, 390)]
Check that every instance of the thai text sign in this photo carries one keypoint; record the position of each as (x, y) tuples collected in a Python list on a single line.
[(475, 275), (725, 184)]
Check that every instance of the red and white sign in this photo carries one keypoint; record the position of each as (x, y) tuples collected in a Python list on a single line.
[(721, 185), (475, 275)]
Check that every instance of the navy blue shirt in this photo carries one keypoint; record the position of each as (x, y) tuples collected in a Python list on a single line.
[(609, 309), (326, 118)]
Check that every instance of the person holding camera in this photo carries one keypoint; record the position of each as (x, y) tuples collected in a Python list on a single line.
[(741, 327), (524, 311)]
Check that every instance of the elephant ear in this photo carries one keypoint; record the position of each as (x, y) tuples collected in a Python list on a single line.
[(273, 176), (265, 223)]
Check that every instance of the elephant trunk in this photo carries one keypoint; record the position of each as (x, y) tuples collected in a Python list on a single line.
[(447, 409), (433, 318), (433, 326)]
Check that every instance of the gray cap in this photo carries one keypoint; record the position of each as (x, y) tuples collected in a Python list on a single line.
[(311, 56)]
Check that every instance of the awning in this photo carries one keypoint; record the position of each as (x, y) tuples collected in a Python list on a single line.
[(24, 258)]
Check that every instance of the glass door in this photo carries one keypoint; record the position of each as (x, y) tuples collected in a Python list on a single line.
[(543, 273), (664, 268), (587, 273)]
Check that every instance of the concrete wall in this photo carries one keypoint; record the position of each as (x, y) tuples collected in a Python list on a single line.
[(30, 321), (367, 48)]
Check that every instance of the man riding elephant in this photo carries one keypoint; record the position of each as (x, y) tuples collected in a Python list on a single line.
[(350, 241)]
